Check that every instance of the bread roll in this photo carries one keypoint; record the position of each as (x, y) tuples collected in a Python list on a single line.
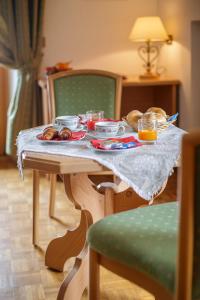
[(161, 115), (157, 110), (160, 118), (133, 117), (150, 116)]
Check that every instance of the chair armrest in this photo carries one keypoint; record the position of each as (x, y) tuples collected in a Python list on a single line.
[(106, 185), (117, 188)]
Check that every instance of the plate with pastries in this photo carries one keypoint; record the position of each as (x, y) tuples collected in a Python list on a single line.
[(53, 135)]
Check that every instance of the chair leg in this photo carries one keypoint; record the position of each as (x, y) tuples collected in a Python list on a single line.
[(94, 276), (52, 196)]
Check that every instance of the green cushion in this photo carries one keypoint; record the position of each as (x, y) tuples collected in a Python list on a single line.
[(80, 93), (145, 238)]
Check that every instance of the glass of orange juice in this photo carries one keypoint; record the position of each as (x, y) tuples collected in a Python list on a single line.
[(147, 130)]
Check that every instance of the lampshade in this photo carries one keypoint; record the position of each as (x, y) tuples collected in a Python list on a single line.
[(148, 29)]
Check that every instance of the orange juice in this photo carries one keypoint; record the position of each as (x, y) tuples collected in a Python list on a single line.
[(147, 135)]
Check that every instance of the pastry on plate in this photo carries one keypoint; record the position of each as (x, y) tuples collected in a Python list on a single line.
[(65, 133), (49, 133)]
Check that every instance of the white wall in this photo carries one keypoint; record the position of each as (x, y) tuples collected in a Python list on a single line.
[(177, 16), (94, 33)]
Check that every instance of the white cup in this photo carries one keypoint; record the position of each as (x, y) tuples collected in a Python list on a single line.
[(109, 128), (70, 122)]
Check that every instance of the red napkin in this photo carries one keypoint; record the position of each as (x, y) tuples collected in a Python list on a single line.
[(99, 144), (77, 135)]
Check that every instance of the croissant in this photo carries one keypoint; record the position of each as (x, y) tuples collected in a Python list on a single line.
[(49, 133), (65, 133)]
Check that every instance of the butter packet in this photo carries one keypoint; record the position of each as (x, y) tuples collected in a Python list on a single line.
[(110, 145)]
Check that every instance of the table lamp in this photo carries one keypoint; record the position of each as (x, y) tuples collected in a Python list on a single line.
[(149, 30)]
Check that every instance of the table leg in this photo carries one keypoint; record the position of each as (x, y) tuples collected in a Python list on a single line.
[(69, 245), (52, 198), (36, 184), (77, 280), (79, 190), (94, 206)]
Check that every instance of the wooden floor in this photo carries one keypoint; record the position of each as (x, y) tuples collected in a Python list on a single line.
[(22, 271)]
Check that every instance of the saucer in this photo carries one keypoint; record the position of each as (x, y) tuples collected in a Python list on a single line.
[(96, 135)]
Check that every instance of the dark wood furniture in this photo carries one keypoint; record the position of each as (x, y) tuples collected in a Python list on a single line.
[(141, 94)]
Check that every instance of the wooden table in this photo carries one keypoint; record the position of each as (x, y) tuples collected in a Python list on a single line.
[(93, 205)]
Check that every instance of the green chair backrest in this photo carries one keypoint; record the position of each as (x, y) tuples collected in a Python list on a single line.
[(196, 262), (79, 93)]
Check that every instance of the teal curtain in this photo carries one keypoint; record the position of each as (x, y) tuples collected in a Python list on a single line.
[(21, 48)]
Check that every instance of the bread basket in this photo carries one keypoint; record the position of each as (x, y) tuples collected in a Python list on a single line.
[(162, 126)]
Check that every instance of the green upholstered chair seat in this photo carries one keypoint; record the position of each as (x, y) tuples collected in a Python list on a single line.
[(145, 238)]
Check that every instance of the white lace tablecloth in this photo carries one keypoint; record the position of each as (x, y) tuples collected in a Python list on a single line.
[(144, 168)]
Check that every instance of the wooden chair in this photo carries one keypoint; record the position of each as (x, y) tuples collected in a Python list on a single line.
[(75, 92), (156, 247)]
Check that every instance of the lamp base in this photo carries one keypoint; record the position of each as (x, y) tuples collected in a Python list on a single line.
[(149, 75)]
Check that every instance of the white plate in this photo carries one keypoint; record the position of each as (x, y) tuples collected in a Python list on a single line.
[(109, 151), (95, 135)]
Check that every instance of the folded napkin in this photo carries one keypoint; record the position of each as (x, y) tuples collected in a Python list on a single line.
[(77, 135), (173, 118), (116, 143)]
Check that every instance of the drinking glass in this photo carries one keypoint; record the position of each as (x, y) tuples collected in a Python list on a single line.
[(92, 117), (147, 130)]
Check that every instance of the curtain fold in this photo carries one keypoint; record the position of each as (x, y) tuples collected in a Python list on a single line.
[(21, 23)]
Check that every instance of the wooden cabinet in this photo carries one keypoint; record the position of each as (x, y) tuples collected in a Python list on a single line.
[(142, 94)]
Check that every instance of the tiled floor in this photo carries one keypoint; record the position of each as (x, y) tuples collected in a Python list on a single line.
[(22, 271)]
